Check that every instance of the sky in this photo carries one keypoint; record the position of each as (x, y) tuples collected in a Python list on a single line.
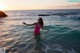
[(38, 4)]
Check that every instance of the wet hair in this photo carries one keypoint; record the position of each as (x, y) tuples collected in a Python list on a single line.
[(41, 21)]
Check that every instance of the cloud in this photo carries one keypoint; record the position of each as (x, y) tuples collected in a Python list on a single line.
[(75, 6), (78, 4)]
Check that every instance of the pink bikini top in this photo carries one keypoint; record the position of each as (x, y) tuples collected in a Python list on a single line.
[(37, 28)]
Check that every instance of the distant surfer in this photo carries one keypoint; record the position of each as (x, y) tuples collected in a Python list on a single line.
[(38, 26)]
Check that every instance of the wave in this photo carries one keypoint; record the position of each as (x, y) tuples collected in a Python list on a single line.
[(39, 48), (21, 40), (62, 37)]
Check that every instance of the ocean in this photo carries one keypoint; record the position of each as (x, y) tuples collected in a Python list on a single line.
[(63, 35)]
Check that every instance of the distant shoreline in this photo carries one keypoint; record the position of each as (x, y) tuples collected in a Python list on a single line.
[(41, 9)]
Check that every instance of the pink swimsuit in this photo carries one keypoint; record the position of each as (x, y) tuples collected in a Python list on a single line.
[(37, 29)]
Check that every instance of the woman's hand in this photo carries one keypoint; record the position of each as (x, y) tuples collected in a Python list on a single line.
[(28, 24), (48, 30), (45, 29), (24, 23)]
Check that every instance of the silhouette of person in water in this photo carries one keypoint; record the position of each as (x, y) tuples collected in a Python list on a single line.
[(38, 26)]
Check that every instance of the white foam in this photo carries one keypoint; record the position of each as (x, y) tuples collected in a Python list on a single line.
[(46, 48), (72, 51), (57, 48)]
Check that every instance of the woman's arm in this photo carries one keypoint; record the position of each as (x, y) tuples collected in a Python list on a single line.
[(45, 29), (29, 24)]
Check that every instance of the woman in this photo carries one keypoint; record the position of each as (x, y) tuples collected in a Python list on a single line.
[(38, 26)]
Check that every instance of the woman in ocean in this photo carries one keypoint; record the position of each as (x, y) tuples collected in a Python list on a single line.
[(38, 26)]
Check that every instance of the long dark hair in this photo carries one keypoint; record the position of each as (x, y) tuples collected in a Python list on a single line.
[(40, 21)]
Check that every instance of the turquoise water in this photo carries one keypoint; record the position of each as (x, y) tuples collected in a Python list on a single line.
[(63, 37)]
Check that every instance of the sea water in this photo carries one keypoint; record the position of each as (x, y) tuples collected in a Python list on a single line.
[(63, 35)]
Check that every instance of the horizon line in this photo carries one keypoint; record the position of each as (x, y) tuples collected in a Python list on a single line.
[(37, 9)]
